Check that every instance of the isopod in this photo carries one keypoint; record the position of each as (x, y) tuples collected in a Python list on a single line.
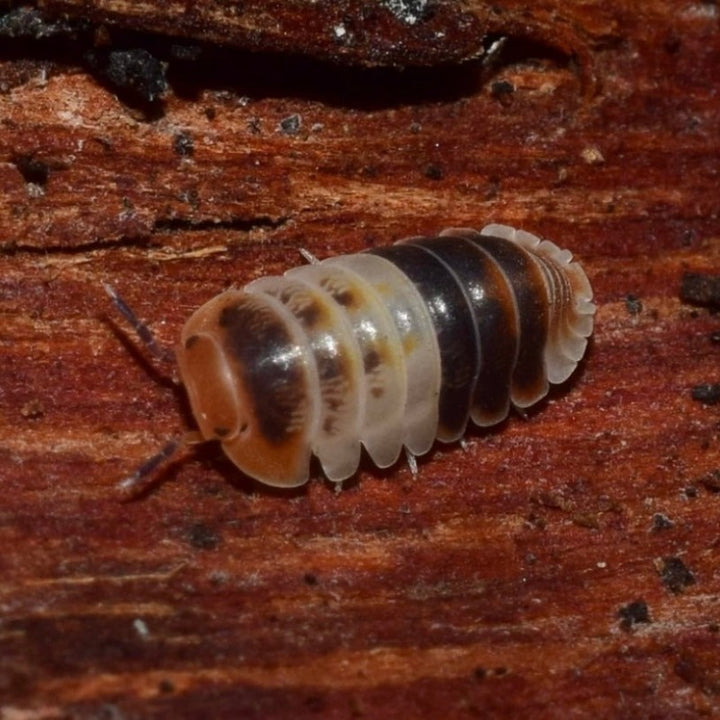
[(393, 347)]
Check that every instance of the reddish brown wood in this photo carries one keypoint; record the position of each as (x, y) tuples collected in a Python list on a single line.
[(396, 32), (564, 564)]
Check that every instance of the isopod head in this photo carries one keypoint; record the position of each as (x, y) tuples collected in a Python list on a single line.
[(246, 381)]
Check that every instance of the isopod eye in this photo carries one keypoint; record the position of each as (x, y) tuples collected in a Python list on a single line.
[(211, 388)]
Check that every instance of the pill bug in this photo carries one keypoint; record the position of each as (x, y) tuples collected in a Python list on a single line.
[(389, 348)]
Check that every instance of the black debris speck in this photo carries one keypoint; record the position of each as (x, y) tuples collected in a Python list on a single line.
[(688, 237), (674, 574), (711, 481), (533, 520), (310, 579), (33, 171), (633, 304), (133, 71), (634, 613), (408, 11), (688, 669), (291, 124), (503, 91), (183, 144), (493, 189), (434, 172), (219, 578), (708, 393), (25, 22), (202, 537), (700, 289), (191, 197), (166, 686), (661, 522)]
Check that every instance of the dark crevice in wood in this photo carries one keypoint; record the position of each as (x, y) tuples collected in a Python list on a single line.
[(243, 225), (161, 228), (137, 66)]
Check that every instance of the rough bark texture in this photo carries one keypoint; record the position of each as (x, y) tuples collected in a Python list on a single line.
[(564, 564)]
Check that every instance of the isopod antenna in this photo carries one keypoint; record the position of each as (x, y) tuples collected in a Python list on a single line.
[(139, 481), (141, 329)]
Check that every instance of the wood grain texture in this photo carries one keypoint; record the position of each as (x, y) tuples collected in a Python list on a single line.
[(386, 32), (564, 564)]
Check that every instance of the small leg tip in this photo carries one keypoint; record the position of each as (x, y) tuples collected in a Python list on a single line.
[(412, 463)]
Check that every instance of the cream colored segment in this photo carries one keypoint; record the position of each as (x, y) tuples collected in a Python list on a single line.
[(380, 348), (336, 441), (419, 341), (508, 232)]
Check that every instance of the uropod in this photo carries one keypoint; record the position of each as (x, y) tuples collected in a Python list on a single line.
[(394, 347)]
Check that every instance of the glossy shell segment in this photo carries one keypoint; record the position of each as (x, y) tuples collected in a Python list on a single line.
[(393, 347)]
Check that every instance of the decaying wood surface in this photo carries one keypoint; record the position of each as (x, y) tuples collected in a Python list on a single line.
[(564, 565)]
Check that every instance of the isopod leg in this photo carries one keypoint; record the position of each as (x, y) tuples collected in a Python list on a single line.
[(412, 463), (309, 257)]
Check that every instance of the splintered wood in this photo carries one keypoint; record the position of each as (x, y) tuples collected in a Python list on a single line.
[(562, 564)]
